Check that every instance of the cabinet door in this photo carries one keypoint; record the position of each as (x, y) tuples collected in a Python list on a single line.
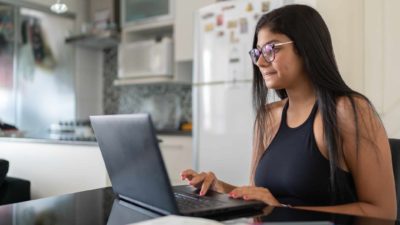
[(184, 27), (177, 155), (138, 11)]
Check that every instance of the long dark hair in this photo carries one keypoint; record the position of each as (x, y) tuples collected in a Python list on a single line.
[(312, 42)]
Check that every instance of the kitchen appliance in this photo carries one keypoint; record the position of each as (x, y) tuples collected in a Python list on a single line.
[(222, 87), (147, 58), (74, 130)]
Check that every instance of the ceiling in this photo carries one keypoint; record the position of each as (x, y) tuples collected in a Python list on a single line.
[(70, 3)]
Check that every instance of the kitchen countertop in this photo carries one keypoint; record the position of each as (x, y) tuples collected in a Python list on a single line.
[(174, 132), (46, 141), (70, 138)]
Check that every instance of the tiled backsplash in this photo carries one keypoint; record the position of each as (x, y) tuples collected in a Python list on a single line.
[(168, 104)]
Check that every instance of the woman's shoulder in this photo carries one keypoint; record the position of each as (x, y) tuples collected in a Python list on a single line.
[(356, 112), (348, 106)]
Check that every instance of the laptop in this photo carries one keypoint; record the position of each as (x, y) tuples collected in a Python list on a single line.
[(134, 163)]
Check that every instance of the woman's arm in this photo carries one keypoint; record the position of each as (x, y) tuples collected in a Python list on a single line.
[(357, 208), (370, 165)]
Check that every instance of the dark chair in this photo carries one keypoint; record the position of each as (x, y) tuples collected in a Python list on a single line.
[(12, 190), (395, 148)]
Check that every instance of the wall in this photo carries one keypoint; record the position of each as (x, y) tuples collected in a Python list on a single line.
[(382, 67), (365, 36), (345, 20)]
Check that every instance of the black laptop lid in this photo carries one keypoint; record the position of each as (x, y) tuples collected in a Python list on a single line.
[(133, 160)]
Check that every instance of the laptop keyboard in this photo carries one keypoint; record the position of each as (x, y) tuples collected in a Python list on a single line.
[(188, 201)]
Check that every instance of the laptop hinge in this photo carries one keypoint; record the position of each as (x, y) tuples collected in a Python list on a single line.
[(144, 205)]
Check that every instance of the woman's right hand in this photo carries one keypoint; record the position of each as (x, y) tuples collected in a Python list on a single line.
[(204, 181)]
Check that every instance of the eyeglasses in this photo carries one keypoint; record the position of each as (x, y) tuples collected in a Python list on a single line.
[(267, 51)]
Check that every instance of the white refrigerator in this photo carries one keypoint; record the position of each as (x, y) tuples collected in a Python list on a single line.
[(222, 86)]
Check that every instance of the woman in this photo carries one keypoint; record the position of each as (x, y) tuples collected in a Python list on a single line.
[(322, 146)]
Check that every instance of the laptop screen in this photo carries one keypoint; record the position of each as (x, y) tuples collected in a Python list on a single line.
[(133, 160)]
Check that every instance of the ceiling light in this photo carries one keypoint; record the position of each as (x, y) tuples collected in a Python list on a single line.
[(59, 7)]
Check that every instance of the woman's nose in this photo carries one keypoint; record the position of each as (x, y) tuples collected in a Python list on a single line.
[(262, 62)]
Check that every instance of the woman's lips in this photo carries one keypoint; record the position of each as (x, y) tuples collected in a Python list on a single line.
[(266, 74)]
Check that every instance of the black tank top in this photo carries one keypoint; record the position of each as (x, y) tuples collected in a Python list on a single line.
[(296, 172)]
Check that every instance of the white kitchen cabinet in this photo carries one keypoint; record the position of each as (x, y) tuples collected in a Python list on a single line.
[(137, 12), (184, 27), (177, 155), (55, 168)]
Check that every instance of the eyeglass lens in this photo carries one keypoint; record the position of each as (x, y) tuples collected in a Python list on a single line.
[(255, 55), (267, 51)]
